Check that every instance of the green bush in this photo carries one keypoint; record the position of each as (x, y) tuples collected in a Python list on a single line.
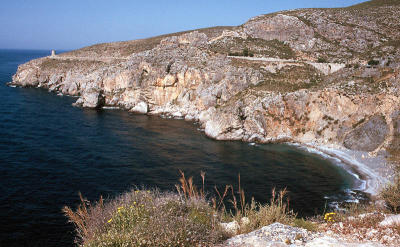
[(373, 62), (308, 225), (246, 52)]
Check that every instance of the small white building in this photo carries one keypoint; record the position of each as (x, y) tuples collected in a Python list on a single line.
[(53, 53)]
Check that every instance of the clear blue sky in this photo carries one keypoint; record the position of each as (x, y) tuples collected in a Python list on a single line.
[(71, 24)]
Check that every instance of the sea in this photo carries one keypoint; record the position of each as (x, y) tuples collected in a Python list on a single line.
[(50, 151)]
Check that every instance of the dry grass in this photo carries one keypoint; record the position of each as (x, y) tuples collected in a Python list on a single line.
[(70, 64), (257, 215), (277, 210), (126, 48), (374, 4), (146, 218), (391, 194), (186, 218)]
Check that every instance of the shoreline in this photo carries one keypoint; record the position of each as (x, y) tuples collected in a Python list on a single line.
[(372, 171)]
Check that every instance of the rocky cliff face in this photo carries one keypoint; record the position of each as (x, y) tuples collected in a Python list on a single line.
[(299, 75)]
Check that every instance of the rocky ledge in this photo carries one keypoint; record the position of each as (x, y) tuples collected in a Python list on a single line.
[(315, 77), (279, 235)]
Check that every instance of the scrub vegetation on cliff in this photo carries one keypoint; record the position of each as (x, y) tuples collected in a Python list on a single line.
[(186, 218)]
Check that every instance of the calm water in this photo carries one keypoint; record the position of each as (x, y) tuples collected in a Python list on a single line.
[(49, 151)]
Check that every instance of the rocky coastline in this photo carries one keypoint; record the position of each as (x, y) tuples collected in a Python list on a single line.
[(301, 76)]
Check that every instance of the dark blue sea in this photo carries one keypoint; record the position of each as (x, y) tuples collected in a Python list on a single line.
[(50, 151)]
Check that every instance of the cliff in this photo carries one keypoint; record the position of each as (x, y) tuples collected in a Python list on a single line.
[(320, 76)]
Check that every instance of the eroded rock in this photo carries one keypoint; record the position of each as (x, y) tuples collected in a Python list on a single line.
[(367, 136)]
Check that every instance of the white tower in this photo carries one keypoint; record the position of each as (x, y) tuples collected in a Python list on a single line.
[(53, 53)]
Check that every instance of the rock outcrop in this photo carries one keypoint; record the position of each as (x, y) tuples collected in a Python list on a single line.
[(276, 235), (305, 79)]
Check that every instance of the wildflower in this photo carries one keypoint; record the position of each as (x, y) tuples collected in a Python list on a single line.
[(134, 203), (119, 209), (109, 221), (330, 217)]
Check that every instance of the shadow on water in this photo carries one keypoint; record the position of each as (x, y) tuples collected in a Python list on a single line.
[(50, 150)]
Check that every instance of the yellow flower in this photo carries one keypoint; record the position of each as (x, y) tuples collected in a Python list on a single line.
[(329, 217), (134, 203), (109, 221)]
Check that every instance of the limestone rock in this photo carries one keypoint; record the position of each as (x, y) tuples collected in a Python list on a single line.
[(141, 107), (369, 135), (278, 234), (91, 98), (327, 241), (231, 228), (391, 220), (275, 234)]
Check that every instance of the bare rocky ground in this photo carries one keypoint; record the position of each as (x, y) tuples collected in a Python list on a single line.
[(279, 235), (317, 77)]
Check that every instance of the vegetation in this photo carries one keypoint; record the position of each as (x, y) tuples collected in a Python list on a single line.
[(322, 60), (262, 215), (67, 64), (374, 3), (146, 218), (126, 48), (185, 218), (391, 195), (373, 62), (236, 46), (244, 53)]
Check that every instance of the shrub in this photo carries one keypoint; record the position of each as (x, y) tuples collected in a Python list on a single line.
[(322, 60), (306, 224), (245, 52), (391, 195), (373, 62), (263, 215), (146, 218), (186, 218)]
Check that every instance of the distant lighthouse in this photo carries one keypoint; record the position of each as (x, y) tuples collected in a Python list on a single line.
[(53, 53)]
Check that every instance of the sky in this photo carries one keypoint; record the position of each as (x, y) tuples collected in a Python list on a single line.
[(72, 24)]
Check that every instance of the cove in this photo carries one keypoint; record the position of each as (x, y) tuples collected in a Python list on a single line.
[(49, 151)]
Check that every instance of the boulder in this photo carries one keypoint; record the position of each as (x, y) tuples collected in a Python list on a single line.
[(391, 220), (140, 107)]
